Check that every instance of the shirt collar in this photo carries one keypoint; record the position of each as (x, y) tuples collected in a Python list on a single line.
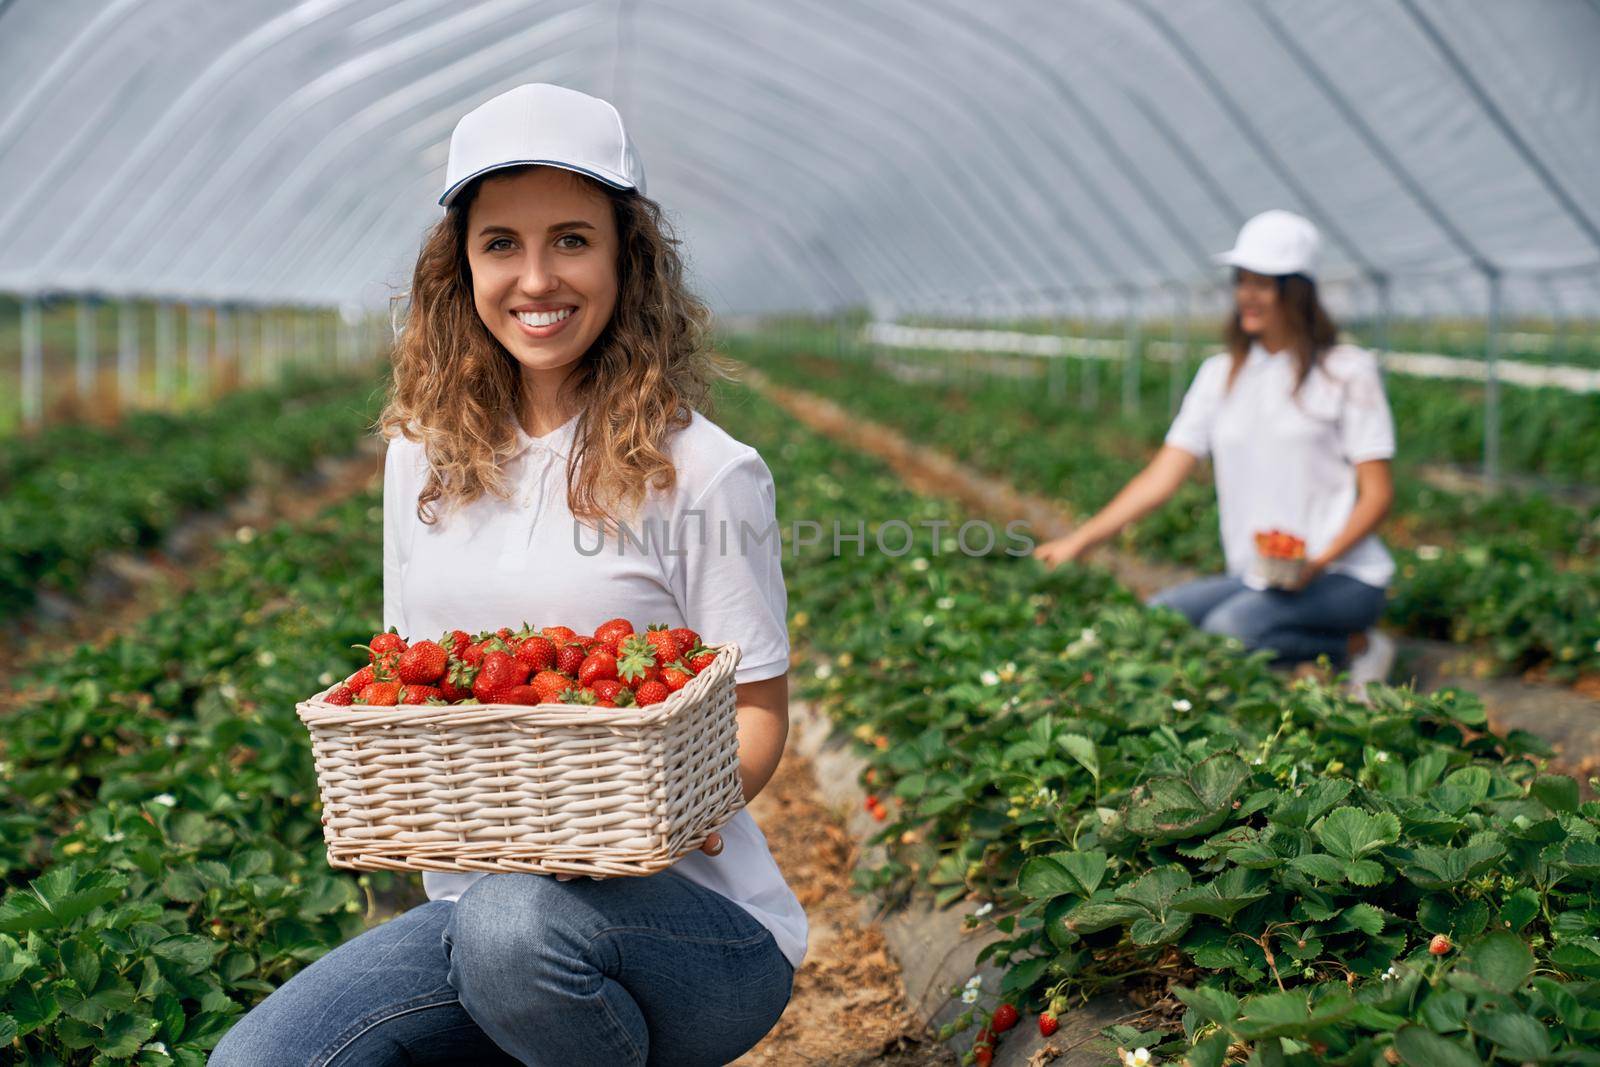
[(557, 442)]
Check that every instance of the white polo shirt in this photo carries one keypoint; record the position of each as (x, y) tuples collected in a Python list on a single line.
[(1287, 461), (495, 563)]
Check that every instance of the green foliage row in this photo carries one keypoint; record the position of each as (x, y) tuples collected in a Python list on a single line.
[(159, 827), (1515, 572), (77, 493), (1138, 798)]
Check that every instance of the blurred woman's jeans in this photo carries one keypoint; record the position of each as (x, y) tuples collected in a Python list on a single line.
[(1318, 620), (527, 969)]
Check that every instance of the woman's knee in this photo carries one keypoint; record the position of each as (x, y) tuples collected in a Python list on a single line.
[(515, 923), (1241, 617)]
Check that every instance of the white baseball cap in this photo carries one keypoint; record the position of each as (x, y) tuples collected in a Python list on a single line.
[(1275, 242), (546, 125)]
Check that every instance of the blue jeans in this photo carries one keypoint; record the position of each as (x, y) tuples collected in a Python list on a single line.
[(1316, 621), (527, 969)]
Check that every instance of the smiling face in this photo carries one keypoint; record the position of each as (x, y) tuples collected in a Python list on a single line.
[(1256, 297), (542, 248)]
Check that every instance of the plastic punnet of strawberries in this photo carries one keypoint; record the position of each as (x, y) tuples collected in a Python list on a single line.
[(615, 667)]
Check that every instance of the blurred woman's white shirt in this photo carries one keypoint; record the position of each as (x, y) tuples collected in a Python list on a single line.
[(1285, 460)]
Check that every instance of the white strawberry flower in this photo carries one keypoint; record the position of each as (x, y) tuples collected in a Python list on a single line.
[(115, 836), (824, 671), (969, 996), (1182, 705), (1139, 1057), (975, 982), (325, 678), (985, 908), (945, 603), (166, 800), (1391, 974), (989, 678), (1383, 757), (919, 564)]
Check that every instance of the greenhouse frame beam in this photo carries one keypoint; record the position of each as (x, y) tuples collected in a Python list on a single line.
[(1257, 140), (1008, 46), (211, 184), (983, 120), (1476, 90), (1156, 203), (1308, 65)]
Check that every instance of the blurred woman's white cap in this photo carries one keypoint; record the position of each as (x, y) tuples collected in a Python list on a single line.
[(1275, 242), (547, 125)]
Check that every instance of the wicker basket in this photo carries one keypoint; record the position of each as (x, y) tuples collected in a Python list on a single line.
[(1279, 573), (557, 788)]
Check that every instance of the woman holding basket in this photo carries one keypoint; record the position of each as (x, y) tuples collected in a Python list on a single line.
[(544, 393), (1300, 437)]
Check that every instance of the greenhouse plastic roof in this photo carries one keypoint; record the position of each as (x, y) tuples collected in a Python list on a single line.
[(905, 154)]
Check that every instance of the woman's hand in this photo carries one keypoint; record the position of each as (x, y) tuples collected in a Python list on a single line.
[(712, 847), (1309, 571), (1061, 550)]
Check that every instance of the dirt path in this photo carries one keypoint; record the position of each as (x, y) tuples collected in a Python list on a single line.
[(849, 1005), (1567, 718)]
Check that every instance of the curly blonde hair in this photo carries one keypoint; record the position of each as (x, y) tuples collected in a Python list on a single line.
[(456, 389)]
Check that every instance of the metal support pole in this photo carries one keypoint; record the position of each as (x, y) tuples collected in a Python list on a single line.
[(1491, 386), (1089, 393), (1178, 372), (191, 354), (1385, 313), (225, 339), (1132, 349), (166, 352), (127, 354), (32, 363), (87, 349)]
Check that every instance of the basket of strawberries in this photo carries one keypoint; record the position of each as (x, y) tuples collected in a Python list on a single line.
[(537, 751), (1280, 558)]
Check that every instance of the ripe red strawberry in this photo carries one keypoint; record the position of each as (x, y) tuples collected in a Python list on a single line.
[(611, 632), (663, 642), (595, 666), (455, 640), (685, 637), (635, 658), (385, 693), (537, 653), (613, 693), (569, 657), (361, 679), (1005, 1017), (450, 692), (559, 634), (700, 660), (1048, 1023), (473, 654), (651, 693), (1440, 945), (550, 684), (341, 697), (423, 663), (381, 643), (522, 694), (500, 671), (386, 668), (982, 1055), (418, 694), (504, 633), (676, 676)]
